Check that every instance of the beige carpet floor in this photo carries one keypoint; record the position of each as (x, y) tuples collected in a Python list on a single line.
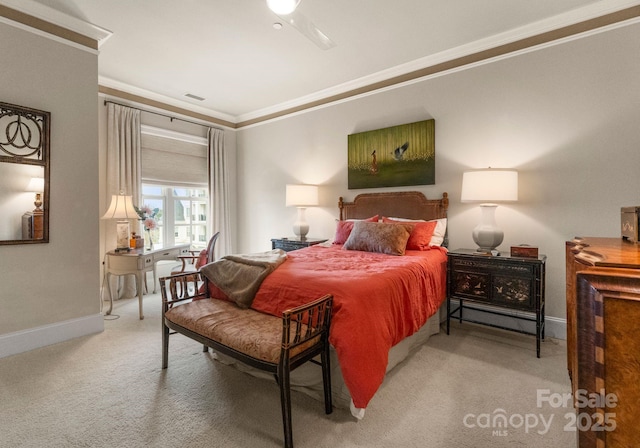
[(108, 390)]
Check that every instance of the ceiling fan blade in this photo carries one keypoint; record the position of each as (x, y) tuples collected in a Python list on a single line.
[(305, 26)]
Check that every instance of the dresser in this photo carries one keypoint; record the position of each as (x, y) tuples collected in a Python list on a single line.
[(603, 344)]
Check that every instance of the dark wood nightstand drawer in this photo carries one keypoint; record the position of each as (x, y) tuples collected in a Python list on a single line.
[(493, 264), (289, 244), (494, 281), (470, 284)]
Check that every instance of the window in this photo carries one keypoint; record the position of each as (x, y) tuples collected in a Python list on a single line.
[(175, 181), (182, 214)]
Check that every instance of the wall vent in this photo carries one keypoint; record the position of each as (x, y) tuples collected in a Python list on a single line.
[(194, 97)]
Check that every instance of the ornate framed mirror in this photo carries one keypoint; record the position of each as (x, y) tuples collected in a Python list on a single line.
[(24, 175)]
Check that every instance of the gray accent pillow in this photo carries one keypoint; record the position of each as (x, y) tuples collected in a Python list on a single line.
[(390, 239)]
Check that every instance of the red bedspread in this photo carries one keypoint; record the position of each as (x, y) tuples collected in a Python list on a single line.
[(378, 301)]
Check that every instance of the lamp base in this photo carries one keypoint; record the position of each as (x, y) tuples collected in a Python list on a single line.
[(487, 235), (122, 235), (301, 227)]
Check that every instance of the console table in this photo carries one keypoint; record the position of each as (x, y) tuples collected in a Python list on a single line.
[(138, 262)]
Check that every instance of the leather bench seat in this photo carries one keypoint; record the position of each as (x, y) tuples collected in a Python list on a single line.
[(251, 332)]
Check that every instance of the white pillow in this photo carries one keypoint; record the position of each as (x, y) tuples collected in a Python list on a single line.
[(406, 219), (363, 219), (438, 232)]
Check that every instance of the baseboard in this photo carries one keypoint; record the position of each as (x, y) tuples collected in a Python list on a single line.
[(25, 340), (555, 327)]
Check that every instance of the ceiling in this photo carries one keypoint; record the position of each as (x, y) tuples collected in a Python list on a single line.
[(228, 52)]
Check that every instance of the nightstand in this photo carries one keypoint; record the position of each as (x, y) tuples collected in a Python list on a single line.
[(502, 281), (294, 243)]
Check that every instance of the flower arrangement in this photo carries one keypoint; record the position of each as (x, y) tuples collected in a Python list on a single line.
[(148, 216)]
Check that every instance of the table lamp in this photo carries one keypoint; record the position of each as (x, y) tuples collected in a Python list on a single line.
[(301, 196), (489, 186), (121, 208), (36, 185)]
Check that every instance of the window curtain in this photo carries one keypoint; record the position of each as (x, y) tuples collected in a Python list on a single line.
[(123, 171), (219, 191)]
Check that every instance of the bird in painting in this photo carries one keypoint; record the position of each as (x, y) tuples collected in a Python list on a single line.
[(374, 163), (399, 151)]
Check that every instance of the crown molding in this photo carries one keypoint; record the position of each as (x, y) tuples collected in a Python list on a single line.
[(575, 24), (126, 92), (51, 23)]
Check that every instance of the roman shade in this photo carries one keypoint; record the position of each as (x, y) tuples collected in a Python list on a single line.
[(173, 161)]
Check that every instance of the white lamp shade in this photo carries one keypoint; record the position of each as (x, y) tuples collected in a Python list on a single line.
[(489, 186), (121, 207), (36, 185), (283, 7), (302, 195)]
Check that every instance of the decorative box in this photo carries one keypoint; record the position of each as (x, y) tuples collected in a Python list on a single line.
[(524, 251), (629, 223)]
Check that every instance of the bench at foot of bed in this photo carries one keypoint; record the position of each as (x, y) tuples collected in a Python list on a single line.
[(270, 343)]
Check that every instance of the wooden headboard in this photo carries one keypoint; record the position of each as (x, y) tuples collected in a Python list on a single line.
[(403, 204)]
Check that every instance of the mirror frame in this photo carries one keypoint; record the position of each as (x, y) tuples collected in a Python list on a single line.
[(25, 139)]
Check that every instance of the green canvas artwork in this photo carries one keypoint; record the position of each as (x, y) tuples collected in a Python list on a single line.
[(393, 157)]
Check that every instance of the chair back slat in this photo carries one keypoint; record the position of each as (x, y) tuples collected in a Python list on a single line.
[(181, 288), (211, 247), (306, 322)]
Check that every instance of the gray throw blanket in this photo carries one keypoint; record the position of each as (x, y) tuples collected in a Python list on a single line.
[(240, 276)]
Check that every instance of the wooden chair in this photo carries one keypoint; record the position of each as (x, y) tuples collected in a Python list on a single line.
[(190, 263)]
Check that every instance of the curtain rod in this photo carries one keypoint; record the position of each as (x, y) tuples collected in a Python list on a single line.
[(162, 115)]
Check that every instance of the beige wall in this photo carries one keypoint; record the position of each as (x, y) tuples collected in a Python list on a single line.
[(565, 116), (54, 287)]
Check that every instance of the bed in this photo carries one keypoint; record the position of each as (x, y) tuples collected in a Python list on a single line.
[(384, 305)]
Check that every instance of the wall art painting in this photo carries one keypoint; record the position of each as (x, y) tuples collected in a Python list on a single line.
[(393, 157)]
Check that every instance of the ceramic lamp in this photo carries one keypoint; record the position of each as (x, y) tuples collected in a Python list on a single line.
[(301, 196), (121, 208), (488, 187)]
